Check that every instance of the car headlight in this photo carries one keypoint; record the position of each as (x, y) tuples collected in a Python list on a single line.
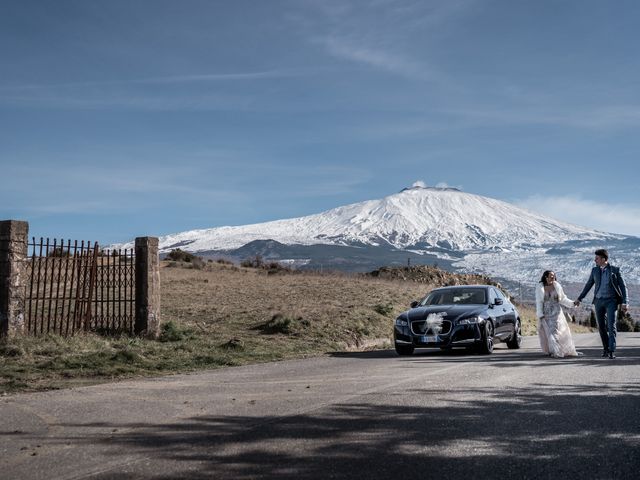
[(468, 321), (401, 322)]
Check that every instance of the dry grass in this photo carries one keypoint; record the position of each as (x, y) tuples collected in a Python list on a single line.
[(334, 311), (218, 315)]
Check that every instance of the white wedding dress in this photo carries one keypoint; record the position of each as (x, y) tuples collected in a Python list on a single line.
[(553, 329)]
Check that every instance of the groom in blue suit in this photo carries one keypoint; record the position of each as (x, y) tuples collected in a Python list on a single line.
[(610, 292)]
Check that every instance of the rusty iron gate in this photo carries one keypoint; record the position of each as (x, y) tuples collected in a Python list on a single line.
[(77, 286)]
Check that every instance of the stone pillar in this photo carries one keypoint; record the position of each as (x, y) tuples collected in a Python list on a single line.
[(147, 321), (13, 276)]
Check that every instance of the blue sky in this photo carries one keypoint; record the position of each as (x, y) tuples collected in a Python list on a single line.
[(126, 118)]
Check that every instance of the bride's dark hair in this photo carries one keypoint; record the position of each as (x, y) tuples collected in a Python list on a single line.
[(546, 273)]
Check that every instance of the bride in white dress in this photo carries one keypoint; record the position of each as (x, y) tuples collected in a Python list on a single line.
[(553, 329)]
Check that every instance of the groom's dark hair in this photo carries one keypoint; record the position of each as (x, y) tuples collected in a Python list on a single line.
[(601, 252)]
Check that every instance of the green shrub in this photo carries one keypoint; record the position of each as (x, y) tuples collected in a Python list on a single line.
[(172, 332), (271, 267), (125, 356), (59, 252), (361, 328), (10, 350), (234, 344), (180, 255), (254, 262), (192, 261), (279, 324), (384, 309)]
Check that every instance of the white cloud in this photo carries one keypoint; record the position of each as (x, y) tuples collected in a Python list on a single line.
[(607, 217), (381, 34), (446, 185), (172, 93), (423, 184), (66, 189), (94, 100), (209, 77), (375, 56)]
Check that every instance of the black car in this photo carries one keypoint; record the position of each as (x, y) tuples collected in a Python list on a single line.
[(458, 316)]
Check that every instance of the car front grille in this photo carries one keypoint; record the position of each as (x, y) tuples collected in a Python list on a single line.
[(420, 328)]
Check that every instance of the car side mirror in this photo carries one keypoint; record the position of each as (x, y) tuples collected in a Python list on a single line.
[(498, 301), (414, 304)]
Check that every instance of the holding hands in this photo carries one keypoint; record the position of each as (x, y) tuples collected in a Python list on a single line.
[(624, 307)]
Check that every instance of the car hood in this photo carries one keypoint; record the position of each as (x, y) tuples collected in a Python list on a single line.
[(449, 312)]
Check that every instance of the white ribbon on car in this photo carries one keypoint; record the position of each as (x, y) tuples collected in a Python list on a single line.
[(434, 323)]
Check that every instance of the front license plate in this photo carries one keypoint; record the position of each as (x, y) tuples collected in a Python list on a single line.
[(428, 339)]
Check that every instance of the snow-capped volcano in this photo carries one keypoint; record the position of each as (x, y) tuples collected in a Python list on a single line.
[(420, 224), (415, 218)]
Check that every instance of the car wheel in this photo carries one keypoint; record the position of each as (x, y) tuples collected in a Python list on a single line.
[(404, 349), (486, 345), (516, 339)]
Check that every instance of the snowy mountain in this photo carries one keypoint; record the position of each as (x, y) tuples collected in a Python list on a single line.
[(417, 217), (460, 230)]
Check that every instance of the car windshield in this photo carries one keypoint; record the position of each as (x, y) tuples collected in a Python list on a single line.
[(460, 296)]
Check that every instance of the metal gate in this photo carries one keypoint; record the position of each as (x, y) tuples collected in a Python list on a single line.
[(79, 287)]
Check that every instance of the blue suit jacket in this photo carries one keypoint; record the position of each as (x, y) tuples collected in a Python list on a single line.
[(616, 282)]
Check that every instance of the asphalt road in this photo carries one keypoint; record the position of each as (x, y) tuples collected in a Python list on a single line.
[(514, 414)]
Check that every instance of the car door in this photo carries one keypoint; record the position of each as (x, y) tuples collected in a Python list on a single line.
[(506, 312), (498, 311)]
